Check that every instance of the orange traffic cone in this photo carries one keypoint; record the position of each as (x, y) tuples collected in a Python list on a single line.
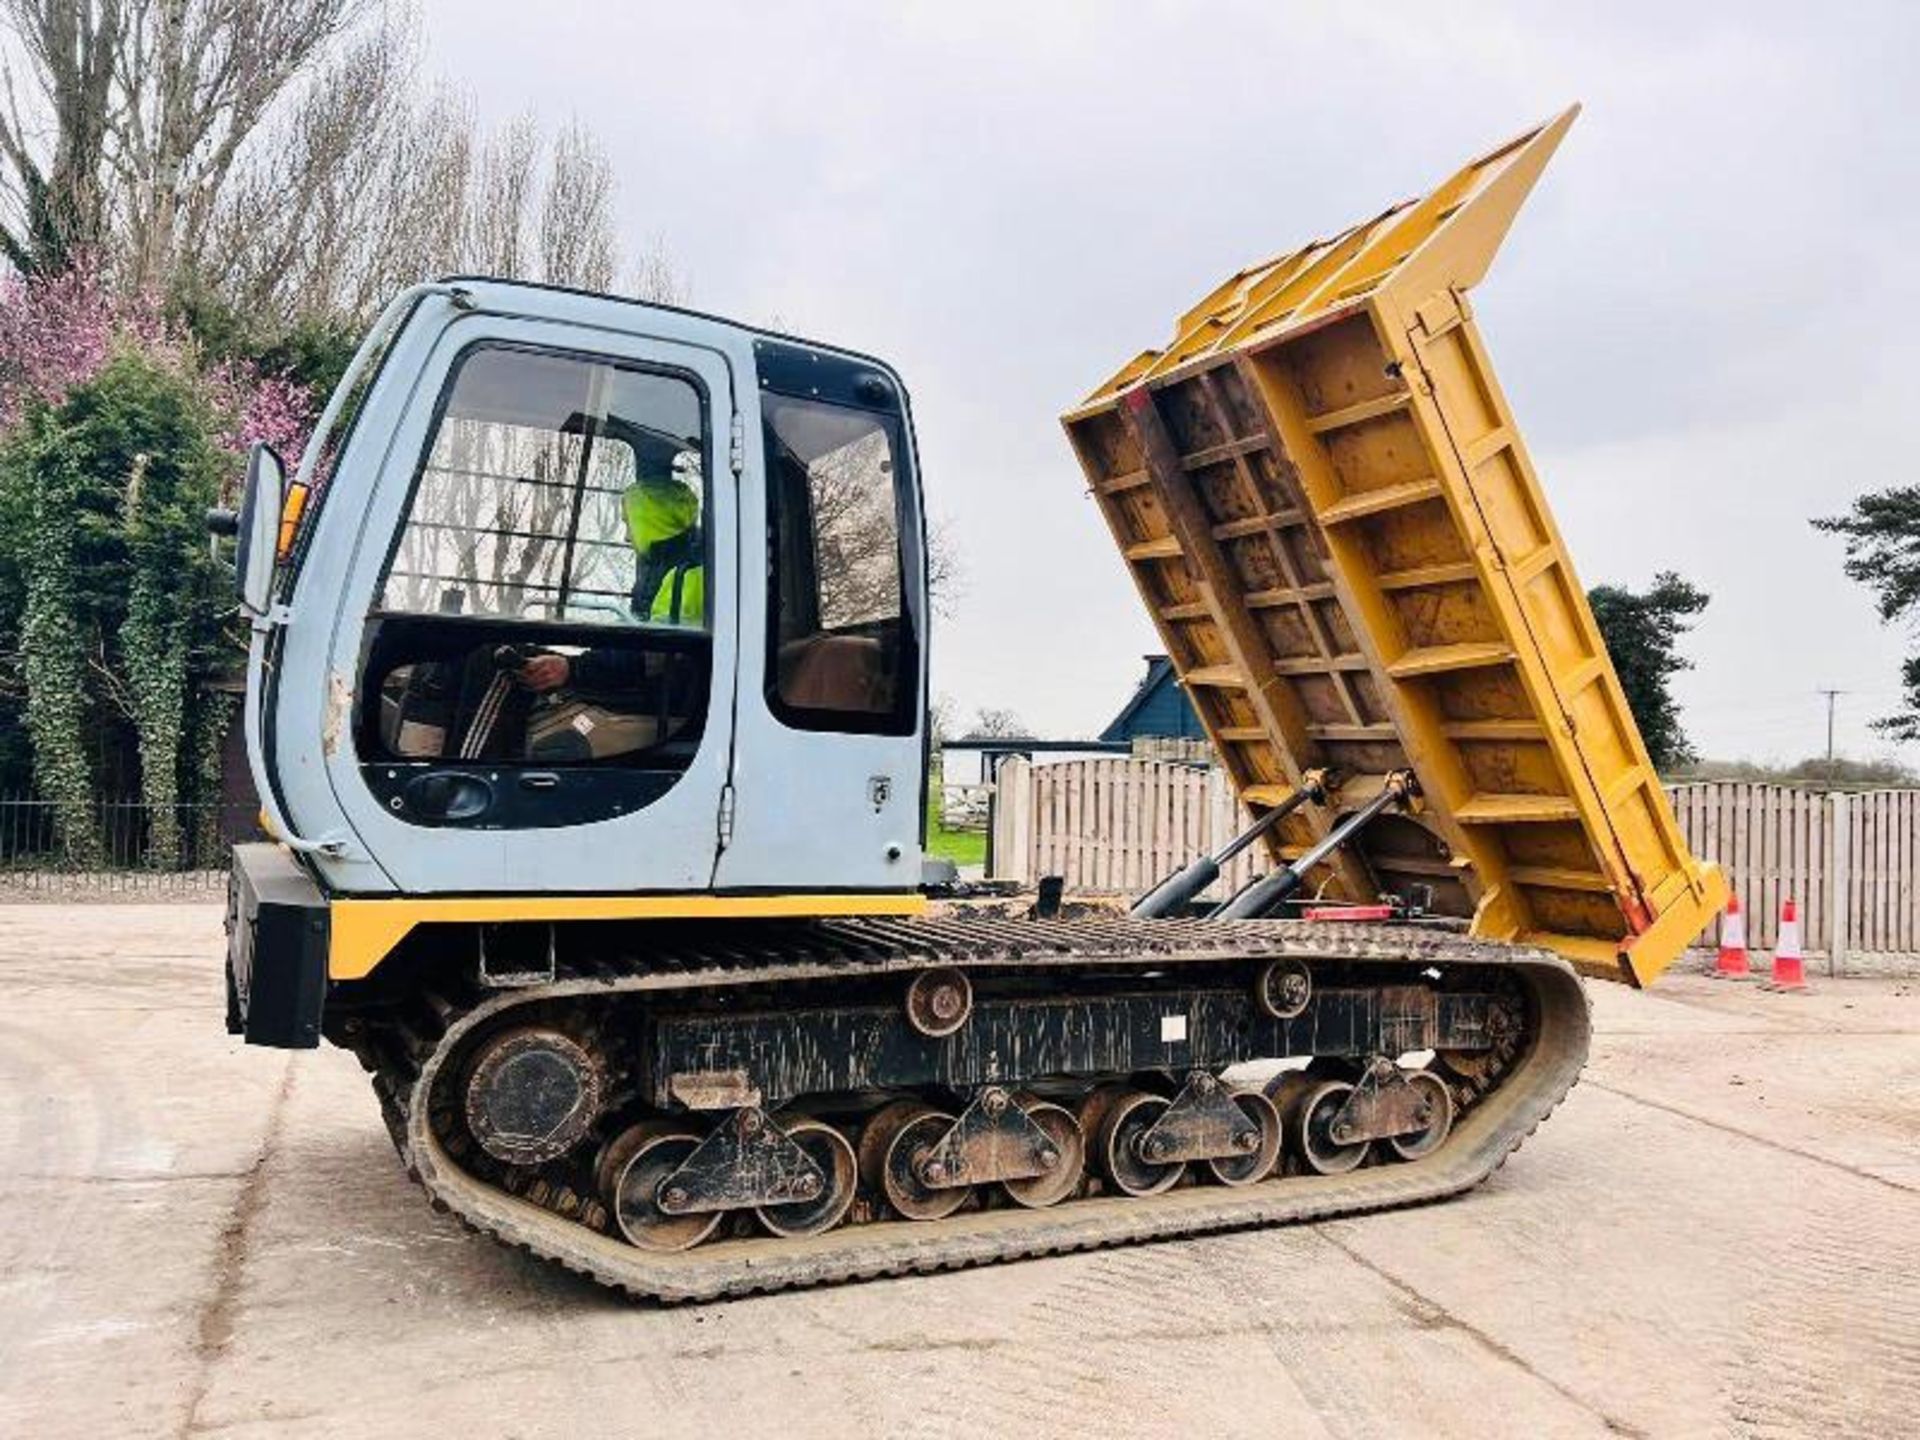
[(1789, 971), (1732, 964)]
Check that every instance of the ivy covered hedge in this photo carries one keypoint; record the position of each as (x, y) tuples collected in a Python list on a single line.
[(117, 432)]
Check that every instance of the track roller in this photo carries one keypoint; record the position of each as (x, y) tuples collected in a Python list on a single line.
[(1036, 1192), (1285, 1090), (1314, 1115), (630, 1171), (894, 1145), (1434, 1093), (1257, 1165), (828, 1149), (1117, 1146)]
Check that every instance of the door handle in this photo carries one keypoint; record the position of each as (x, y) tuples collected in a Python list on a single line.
[(446, 795)]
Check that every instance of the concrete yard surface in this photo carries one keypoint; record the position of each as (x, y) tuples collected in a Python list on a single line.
[(1718, 1233)]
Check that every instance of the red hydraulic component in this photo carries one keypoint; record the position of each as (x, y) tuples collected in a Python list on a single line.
[(1351, 912)]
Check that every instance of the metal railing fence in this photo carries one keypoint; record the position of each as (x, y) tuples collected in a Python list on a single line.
[(124, 852)]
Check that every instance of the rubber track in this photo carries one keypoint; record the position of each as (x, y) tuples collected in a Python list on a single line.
[(1480, 1143)]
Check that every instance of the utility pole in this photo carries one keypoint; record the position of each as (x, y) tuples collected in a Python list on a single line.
[(1832, 697)]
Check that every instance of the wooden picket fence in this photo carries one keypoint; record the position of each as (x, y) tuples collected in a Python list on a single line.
[(1774, 842), (1118, 825), (1850, 860), (1112, 825)]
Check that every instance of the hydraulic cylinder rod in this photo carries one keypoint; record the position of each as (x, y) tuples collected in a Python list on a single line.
[(1172, 894), (1268, 893)]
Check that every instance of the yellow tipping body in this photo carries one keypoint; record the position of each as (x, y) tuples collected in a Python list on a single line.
[(1327, 507)]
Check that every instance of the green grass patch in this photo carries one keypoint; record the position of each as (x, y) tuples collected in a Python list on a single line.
[(962, 847)]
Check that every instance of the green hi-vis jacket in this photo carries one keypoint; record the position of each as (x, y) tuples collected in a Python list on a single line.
[(663, 526)]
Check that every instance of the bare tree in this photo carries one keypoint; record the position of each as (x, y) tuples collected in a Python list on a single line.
[(416, 230), (413, 189), (943, 719), (193, 80), (655, 277), (297, 218), (946, 571), (279, 154), (576, 214), (997, 724), (57, 199), (500, 196), (129, 118)]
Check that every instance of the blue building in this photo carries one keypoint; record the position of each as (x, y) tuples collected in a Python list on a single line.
[(1159, 709)]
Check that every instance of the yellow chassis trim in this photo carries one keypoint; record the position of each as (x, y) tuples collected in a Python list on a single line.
[(365, 932)]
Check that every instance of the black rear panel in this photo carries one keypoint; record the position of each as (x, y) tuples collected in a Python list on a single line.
[(276, 949)]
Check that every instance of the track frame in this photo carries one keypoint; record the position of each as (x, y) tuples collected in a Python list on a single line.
[(1547, 1065)]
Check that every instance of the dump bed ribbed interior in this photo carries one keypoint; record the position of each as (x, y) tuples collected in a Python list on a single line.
[(1328, 508)]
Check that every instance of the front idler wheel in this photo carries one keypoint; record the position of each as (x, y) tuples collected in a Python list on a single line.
[(531, 1094)]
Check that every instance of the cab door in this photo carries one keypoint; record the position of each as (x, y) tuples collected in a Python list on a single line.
[(829, 769), (498, 530)]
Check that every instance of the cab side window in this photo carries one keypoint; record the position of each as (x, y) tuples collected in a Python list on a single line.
[(839, 650), (556, 488)]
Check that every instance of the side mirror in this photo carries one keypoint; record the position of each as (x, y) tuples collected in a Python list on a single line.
[(258, 529)]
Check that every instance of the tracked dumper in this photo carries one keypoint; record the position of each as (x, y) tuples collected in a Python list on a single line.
[(587, 703)]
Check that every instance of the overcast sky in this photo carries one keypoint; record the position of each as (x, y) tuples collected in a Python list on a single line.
[(1701, 318)]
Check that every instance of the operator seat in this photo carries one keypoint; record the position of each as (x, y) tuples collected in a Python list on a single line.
[(836, 672)]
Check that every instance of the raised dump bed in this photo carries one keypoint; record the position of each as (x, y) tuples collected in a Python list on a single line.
[(1328, 509)]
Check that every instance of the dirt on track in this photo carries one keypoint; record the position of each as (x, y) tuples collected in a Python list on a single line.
[(1718, 1233)]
